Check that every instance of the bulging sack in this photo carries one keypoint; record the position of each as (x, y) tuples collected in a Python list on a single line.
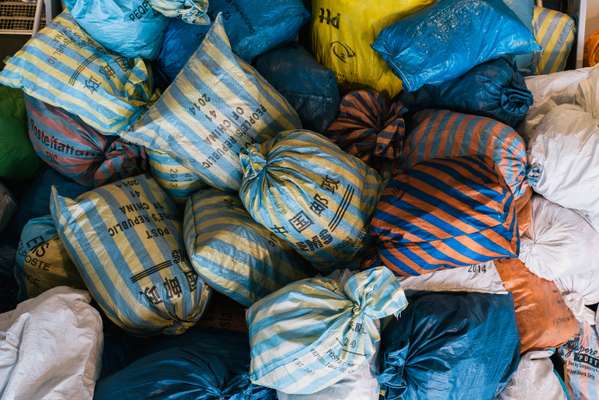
[(443, 133), (216, 106), (42, 261), (79, 151), (312, 333), (62, 66), (434, 350), (445, 40), (581, 371), (308, 86), (234, 254), (307, 191), (559, 242), (8, 206), (555, 32), (51, 347), (129, 28), (494, 89), (177, 181), (445, 213), (544, 320), (256, 26), (126, 241), (371, 127), (343, 32), (17, 157)]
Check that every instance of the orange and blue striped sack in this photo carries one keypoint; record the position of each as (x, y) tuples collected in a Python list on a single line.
[(78, 151), (371, 127), (126, 241), (445, 213), (444, 133)]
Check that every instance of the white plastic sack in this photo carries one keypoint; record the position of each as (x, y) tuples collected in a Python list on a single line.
[(581, 364), (51, 347), (564, 156), (360, 385), (535, 378), (559, 242), (482, 278), (579, 291)]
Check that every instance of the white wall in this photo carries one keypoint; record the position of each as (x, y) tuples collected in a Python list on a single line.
[(592, 17)]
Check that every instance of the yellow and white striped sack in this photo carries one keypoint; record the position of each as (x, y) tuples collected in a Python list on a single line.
[(62, 66), (216, 106), (176, 180), (125, 239), (555, 32)]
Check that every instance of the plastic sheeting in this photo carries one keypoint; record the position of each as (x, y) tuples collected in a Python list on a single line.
[(307, 191), (343, 32), (107, 91), (450, 346), (204, 365), (125, 239), (129, 28), (535, 378), (51, 347), (559, 242), (308, 86), (17, 157), (77, 151), (305, 337), (445, 40), (216, 106), (256, 26), (544, 319), (233, 253), (371, 127), (445, 213), (494, 89)]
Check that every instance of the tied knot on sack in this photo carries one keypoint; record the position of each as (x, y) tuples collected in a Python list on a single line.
[(516, 100), (376, 293), (190, 11), (370, 127), (533, 174), (252, 162)]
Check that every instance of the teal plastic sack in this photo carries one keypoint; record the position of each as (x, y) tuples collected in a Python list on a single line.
[(524, 10), (450, 346), (308, 191), (308, 86), (129, 28), (447, 39), (233, 253), (312, 333), (203, 365), (256, 26)]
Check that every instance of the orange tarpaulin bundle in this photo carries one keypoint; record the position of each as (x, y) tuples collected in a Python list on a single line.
[(591, 50), (544, 320)]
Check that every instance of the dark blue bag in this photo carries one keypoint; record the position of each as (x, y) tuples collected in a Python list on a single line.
[(256, 26), (36, 200), (180, 41), (308, 86), (446, 40), (199, 365), (494, 89), (450, 346)]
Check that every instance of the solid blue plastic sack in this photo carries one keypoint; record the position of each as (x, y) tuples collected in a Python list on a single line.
[(180, 41), (129, 28), (523, 9), (450, 346), (35, 202), (444, 41), (494, 89), (256, 26), (308, 86), (214, 366)]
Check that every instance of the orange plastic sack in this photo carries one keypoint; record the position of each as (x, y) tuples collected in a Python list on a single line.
[(524, 212), (591, 50), (544, 320)]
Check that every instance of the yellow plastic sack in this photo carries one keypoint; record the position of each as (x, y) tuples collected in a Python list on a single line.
[(344, 30)]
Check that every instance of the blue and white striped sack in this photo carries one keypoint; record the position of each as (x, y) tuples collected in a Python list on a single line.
[(125, 239), (312, 333), (217, 105), (177, 181), (234, 254)]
